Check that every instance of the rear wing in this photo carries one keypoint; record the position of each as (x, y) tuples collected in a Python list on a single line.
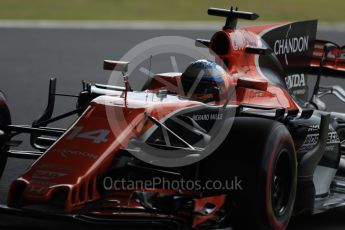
[(329, 58)]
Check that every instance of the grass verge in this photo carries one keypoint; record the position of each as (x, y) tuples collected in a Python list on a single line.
[(194, 10)]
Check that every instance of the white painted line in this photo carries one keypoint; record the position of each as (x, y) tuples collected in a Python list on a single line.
[(141, 25)]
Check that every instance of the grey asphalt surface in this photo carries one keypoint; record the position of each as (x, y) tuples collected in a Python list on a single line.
[(29, 57)]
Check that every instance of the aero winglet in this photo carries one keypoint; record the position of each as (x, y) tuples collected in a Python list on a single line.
[(121, 66), (232, 13)]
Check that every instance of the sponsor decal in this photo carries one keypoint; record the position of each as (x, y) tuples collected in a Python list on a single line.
[(330, 148), (37, 190), (237, 41), (297, 84), (313, 128), (54, 167), (241, 39), (207, 117), (38, 187), (312, 139), (300, 92), (42, 183), (46, 175), (333, 138), (68, 152), (291, 45), (295, 80), (250, 38), (96, 136)]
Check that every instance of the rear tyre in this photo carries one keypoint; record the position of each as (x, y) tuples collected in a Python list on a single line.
[(261, 154), (5, 119)]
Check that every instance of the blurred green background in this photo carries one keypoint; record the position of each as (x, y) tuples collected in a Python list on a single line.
[(194, 10)]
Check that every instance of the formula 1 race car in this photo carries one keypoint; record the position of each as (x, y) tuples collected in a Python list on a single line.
[(249, 110)]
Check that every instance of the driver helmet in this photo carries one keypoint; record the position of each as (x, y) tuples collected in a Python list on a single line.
[(204, 81)]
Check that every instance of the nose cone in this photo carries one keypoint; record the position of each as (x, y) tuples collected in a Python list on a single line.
[(67, 172)]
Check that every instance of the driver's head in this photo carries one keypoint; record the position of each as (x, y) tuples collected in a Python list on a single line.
[(204, 80)]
